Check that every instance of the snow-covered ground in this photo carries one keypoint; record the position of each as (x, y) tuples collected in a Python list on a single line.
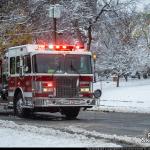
[(131, 96), (14, 135)]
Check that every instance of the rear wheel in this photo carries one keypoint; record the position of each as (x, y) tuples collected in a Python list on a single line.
[(70, 112), (18, 107)]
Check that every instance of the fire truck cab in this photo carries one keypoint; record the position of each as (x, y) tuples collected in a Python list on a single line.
[(36, 78)]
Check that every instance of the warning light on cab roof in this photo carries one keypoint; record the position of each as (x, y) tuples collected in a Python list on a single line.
[(60, 47)]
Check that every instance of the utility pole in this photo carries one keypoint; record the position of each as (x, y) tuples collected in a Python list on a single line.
[(55, 29), (55, 12)]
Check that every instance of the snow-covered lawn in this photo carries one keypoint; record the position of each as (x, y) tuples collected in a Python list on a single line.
[(131, 96), (13, 135)]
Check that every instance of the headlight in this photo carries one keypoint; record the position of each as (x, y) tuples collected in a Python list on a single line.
[(48, 89), (85, 90)]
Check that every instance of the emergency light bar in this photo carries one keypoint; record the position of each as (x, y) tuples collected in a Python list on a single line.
[(60, 47)]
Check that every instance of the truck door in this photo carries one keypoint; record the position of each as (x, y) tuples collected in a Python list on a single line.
[(27, 75), (24, 81), (12, 77)]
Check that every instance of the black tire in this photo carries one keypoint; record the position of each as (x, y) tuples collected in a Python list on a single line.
[(70, 112), (21, 112)]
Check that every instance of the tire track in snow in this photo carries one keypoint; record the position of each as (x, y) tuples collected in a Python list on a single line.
[(120, 140)]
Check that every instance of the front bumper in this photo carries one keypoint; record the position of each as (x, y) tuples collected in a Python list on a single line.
[(61, 102)]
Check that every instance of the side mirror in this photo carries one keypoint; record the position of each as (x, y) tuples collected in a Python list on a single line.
[(97, 93)]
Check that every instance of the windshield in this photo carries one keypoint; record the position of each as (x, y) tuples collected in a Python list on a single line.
[(47, 63), (78, 64), (58, 63)]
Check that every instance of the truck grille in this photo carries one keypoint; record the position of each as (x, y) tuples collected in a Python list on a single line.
[(66, 87)]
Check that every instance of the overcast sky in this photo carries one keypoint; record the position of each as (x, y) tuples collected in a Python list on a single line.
[(142, 3)]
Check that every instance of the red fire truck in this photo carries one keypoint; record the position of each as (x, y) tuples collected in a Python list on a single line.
[(51, 78)]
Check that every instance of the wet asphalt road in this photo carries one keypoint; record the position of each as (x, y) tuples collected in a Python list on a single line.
[(130, 124)]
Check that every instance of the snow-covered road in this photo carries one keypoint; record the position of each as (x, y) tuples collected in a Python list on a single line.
[(91, 129), (13, 135)]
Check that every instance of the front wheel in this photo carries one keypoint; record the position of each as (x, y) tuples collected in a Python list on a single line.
[(70, 112), (18, 107)]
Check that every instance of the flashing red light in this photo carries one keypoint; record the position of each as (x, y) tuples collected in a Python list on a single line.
[(51, 46), (48, 84), (64, 46), (70, 47), (57, 46), (77, 47)]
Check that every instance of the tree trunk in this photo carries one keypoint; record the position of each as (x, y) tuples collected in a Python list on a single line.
[(89, 38), (126, 77), (78, 32), (118, 78)]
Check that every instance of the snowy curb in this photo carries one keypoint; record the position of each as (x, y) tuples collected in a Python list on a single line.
[(122, 109), (33, 129)]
